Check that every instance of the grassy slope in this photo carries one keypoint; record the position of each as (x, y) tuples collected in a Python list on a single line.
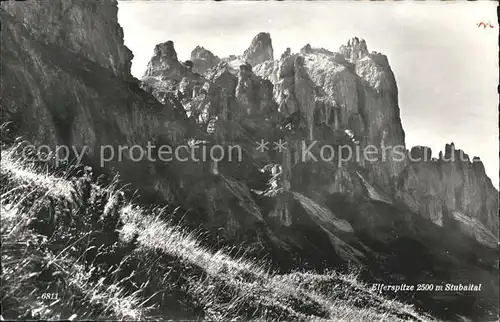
[(107, 258)]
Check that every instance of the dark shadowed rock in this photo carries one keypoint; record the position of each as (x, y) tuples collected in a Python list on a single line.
[(189, 64), (164, 64), (90, 29), (224, 77), (85, 97), (166, 76), (286, 53)]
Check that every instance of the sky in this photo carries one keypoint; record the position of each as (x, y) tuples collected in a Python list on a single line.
[(446, 67)]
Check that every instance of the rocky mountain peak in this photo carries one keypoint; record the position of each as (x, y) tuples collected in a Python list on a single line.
[(165, 65), (286, 53), (359, 96), (478, 167), (203, 59), (166, 50), (355, 49), (260, 50), (200, 52), (306, 49)]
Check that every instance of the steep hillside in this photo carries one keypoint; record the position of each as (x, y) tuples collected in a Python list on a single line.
[(307, 203), (74, 249)]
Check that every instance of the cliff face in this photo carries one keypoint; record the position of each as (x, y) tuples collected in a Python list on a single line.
[(354, 91), (345, 99), (66, 82), (451, 190), (166, 76), (260, 50), (86, 28), (165, 65), (203, 60)]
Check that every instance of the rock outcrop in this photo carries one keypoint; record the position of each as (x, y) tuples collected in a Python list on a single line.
[(66, 82), (449, 189), (164, 65), (166, 77), (260, 50), (356, 93), (355, 49), (202, 95), (85, 28), (203, 60), (253, 93)]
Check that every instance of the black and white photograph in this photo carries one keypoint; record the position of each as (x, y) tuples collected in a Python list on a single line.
[(168, 160)]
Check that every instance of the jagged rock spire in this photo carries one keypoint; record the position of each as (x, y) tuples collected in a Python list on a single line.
[(355, 49), (286, 53), (165, 64), (260, 50), (166, 50), (203, 59)]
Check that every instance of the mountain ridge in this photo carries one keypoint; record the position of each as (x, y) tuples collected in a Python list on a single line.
[(285, 206), (378, 88)]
